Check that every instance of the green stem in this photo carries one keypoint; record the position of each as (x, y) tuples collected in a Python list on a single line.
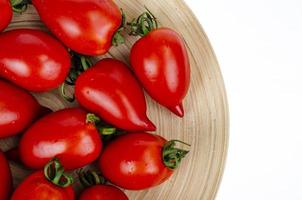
[(64, 95), (20, 6), (54, 172), (90, 178), (144, 24), (172, 156)]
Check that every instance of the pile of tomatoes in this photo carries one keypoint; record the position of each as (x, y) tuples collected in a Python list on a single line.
[(110, 128)]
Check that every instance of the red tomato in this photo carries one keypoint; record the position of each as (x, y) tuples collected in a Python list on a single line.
[(161, 63), (18, 109), (63, 134), (6, 14), (110, 90), (38, 187), (103, 192), (6, 178), (33, 60), (139, 161), (85, 26)]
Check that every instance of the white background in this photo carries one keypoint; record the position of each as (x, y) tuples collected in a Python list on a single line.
[(259, 46)]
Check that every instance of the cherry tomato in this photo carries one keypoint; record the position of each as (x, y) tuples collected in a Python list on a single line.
[(6, 14), (63, 134), (139, 161), (33, 60), (85, 26), (42, 186), (103, 192), (110, 90), (6, 178), (161, 63), (18, 109)]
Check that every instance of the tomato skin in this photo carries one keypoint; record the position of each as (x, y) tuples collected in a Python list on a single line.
[(110, 90), (85, 26), (18, 109), (6, 14), (6, 178), (103, 192), (33, 60), (139, 162), (160, 61), (37, 187), (63, 134)]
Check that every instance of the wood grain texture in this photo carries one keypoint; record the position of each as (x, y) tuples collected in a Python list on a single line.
[(205, 125)]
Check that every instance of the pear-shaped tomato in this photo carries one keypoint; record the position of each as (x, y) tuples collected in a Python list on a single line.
[(18, 109), (65, 134), (33, 59), (6, 14), (85, 26), (110, 90)]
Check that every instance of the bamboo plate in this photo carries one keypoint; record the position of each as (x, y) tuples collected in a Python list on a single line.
[(205, 124)]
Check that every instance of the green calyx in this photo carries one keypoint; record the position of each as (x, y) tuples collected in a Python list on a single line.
[(54, 172), (118, 37), (104, 129), (19, 6), (80, 63), (144, 24), (172, 156), (90, 178)]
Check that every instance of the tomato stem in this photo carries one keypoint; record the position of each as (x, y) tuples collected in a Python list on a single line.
[(172, 156), (118, 38), (103, 129), (144, 24), (80, 63), (20, 6), (54, 172), (90, 178)]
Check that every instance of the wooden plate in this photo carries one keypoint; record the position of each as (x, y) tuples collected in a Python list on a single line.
[(205, 124)]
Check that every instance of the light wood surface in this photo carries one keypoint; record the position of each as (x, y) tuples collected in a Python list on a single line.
[(205, 125)]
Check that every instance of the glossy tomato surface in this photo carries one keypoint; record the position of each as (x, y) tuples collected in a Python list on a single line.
[(161, 63), (110, 90), (103, 192), (33, 60), (18, 109), (6, 178), (63, 134), (85, 26), (134, 161), (37, 187), (6, 14)]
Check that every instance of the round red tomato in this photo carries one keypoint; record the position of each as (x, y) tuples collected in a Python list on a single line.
[(110, 90), (6, 14), (161, 63), (42, 186), (85, 26), (138, 161), (63, 134), (18, 109), (6, 178), (103, 192), (33, 60)]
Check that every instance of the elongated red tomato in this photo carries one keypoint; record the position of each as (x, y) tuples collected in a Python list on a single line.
[(18, 109), (63, 134), (85, 26), (103, 192), (161, 63), (6, 178), (139, 161), (44, 186), (6, 14), (33, 60), (110, 90)]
